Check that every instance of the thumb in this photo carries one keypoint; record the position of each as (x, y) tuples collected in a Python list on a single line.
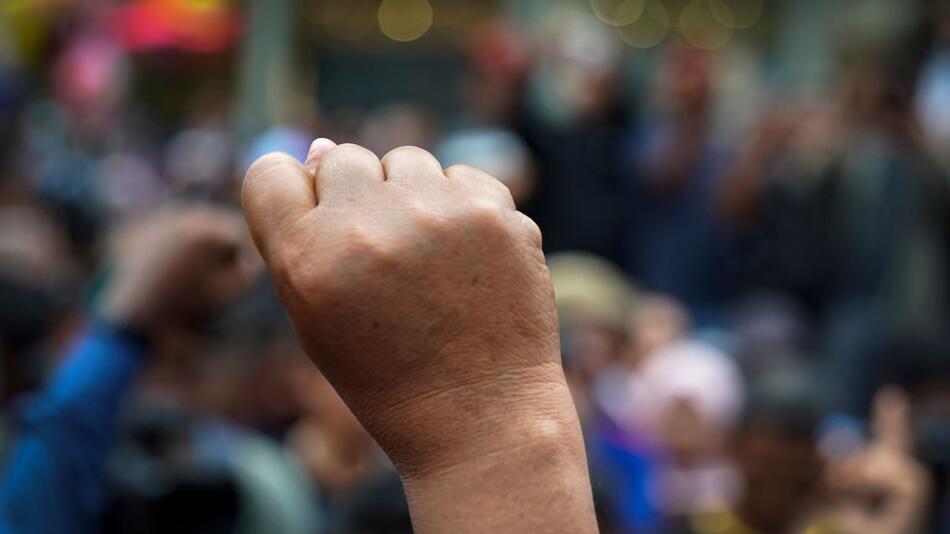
[(278, 189), (317, 150), (891, 419)]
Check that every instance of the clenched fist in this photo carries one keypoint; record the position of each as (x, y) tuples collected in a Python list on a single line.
[(177, 266), (424, 297)]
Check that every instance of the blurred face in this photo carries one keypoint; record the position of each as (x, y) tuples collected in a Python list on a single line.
[(781, 475), (686, 434), (685, 79), (657, 322), (589, 348)]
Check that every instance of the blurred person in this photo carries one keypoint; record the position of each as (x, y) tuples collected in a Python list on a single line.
[(170, 271), (775, 451), (664, 429), (777, 194), (769, 331), (890, 228), (211, 416), (891, 207), (686, 399), (216, 426), (676, 244), (492, 90), (594, 300), (493, 86), (657, 321), (790, 486), (337, 451), (36, 274), (360, 491), (654, 323), (459, 382), (60, 176), (200, 158), (159, 482), (574, 123)]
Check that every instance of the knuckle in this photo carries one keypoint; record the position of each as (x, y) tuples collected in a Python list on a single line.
[(459, 170), (531, 229), (407, 152), (487, 216), (348, 158), (264, 167), (350, 150), (482, 183)]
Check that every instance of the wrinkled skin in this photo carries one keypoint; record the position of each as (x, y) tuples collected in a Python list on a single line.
[(423, 296)]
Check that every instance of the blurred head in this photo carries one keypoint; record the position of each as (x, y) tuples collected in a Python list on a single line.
[(684, 79), (656, 321), (690, 396), (879, 93), (771, 331), (201, 160), (35, 274), (499, 58), (775, 450), (576, 75), (593, 301)]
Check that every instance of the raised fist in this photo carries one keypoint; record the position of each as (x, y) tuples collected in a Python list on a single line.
[(177, 266), (423, 296)]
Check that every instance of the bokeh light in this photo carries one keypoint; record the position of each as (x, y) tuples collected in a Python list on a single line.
[(649, 29), (617, 12), (405, 20), (700, 27), (736, 14)]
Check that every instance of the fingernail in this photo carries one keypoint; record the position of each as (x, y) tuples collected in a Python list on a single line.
[(318, 148)]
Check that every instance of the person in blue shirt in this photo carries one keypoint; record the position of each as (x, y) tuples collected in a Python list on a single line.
[(172, 269)]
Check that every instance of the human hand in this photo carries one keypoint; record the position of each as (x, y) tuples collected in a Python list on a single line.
[(886, 487), (175, 267), (424, 298)]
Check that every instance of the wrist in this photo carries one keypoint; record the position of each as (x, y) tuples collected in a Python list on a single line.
[(440, 428), (527, 463)]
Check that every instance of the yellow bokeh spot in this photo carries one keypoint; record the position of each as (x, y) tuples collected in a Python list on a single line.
[(404, 20), (649, 29), (736, 14), (700, 27), (617, 12)]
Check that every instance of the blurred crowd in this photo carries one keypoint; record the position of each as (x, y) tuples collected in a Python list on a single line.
[(752, 274)]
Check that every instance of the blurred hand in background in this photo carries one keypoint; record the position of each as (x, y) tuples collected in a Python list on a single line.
[(177, 266)]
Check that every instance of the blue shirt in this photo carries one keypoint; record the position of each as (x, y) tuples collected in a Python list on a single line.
[(54, 476)]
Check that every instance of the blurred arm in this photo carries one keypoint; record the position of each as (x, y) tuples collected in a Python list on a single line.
[(54, 476)]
